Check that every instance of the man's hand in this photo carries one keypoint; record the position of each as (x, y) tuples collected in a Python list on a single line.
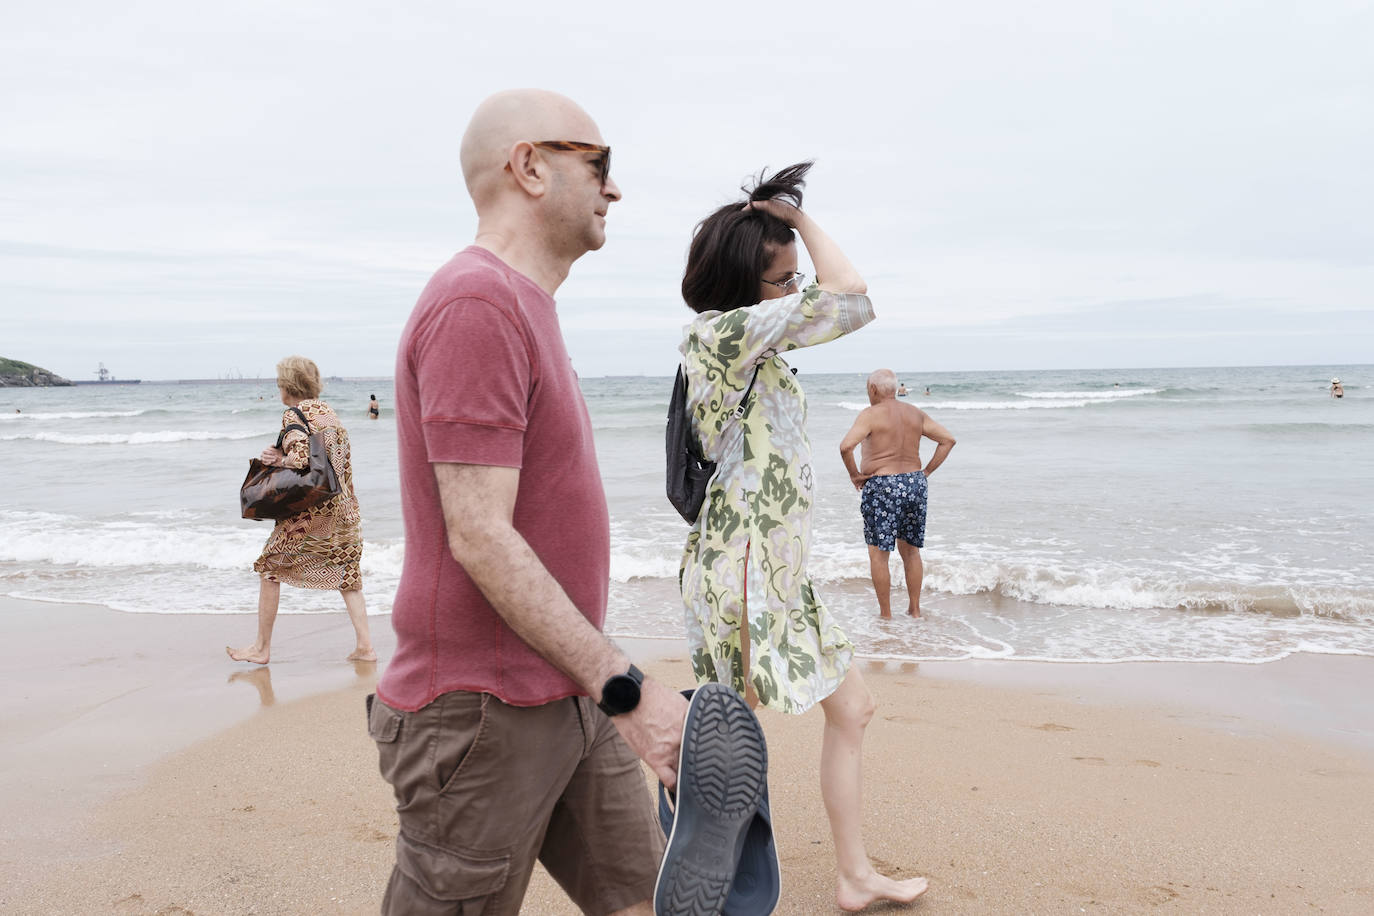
[(858, 480), (653, 730)]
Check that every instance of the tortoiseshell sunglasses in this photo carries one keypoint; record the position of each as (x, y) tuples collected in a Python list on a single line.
[(577, 146)]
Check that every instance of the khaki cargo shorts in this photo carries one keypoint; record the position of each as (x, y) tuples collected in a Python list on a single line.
[(484, 789)]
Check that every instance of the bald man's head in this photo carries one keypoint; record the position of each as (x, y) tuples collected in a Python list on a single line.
[(509, 117)]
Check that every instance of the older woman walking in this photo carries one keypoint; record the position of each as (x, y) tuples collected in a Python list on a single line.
[(321, 547)]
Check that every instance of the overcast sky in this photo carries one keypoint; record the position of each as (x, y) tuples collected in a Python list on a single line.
[(193, 189)]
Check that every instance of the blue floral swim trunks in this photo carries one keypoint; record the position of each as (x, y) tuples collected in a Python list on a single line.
[(894, 507)]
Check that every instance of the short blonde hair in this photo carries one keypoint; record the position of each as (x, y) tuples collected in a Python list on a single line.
[(299, 377)]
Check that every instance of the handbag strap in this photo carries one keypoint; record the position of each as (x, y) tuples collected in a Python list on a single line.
[(290, 426)]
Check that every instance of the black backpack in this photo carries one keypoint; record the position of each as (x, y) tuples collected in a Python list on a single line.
[(689, 471)]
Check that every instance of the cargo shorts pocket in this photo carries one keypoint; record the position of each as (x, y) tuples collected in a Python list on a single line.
[(383, 722), (384, 726), (449, 875)]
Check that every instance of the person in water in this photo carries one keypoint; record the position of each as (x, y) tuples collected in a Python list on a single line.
[(893, 484), (1337, 391), (374, 410)]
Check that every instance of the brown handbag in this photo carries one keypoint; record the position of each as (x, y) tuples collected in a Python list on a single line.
[(271, 491)]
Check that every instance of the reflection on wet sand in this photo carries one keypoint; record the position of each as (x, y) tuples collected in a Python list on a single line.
[(260, 678)]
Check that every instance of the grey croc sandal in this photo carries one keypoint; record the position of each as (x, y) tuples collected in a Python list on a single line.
[(721, 780), (758, 875)]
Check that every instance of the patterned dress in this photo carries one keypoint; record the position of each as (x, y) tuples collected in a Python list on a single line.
[(757, 512), (321, 547)]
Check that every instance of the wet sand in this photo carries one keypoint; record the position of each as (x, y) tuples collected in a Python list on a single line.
[(143, 772)]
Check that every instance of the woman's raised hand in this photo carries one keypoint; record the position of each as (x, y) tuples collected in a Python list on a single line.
[(781, 209)]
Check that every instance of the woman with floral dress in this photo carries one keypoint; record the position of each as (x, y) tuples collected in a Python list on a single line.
[(744, 569), (321, 547)]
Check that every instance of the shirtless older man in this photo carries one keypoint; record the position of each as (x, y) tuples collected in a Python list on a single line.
[(892, 483)]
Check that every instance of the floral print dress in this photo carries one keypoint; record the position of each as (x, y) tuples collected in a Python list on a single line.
[(321, 547), (748, 550)]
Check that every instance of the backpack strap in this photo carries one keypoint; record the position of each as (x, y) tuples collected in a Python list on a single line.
[(739, 410)]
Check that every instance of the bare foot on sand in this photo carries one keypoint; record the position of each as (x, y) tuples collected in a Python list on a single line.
[(363, 655), (248, 654), (856, 894), (913, 611)]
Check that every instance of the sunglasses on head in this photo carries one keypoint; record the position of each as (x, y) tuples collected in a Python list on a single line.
[(577, 146)]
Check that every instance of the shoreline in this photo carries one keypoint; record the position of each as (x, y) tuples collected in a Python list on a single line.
[(134, 733)]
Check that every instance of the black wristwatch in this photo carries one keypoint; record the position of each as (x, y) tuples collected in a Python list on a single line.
[(620, 693)]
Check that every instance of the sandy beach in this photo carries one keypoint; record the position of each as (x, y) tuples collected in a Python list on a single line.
[(144, 773)]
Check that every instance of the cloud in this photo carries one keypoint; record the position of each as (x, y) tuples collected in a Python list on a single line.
[(182, 171)]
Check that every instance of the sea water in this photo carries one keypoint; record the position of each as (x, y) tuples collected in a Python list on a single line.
[(1180, 514)]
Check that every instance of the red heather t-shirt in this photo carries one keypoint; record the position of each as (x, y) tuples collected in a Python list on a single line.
[(483, 377)]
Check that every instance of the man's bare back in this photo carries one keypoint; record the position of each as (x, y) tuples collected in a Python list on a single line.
[(893, 445)]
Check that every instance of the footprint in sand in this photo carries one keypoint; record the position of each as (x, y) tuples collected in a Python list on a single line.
[(1158, 895), (1092, 761), (1052, 727)]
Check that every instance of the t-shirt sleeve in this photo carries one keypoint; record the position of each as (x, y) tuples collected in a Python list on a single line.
[(474, 370)]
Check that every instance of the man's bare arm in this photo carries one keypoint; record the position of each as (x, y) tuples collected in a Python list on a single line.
[(479, 508), (943, 443), (857, 433)]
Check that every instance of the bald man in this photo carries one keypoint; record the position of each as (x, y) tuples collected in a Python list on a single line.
[(892, 484), (508, 725)]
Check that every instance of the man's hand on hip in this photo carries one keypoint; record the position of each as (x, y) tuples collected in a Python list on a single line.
[(653, 730)]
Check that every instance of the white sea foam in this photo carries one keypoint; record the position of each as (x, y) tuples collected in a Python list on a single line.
[(985, 405), (1090, 395), (71, 415), (625, 567), (49, 538), (150, 438)]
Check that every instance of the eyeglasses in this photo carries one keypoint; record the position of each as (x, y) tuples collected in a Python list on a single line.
[(577, 146), (790, 285)]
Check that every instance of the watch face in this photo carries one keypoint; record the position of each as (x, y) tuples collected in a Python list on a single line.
[(620, 694)]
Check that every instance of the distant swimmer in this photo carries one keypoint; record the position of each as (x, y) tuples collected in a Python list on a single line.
[(901, 391), (374, 410), (1336, 390), (892, 484), (927, 391)]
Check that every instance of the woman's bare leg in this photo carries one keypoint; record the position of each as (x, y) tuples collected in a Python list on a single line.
[(260, 652), (847, 713), (357, 613)]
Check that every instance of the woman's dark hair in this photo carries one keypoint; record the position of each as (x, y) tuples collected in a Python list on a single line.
[(731, 248)]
